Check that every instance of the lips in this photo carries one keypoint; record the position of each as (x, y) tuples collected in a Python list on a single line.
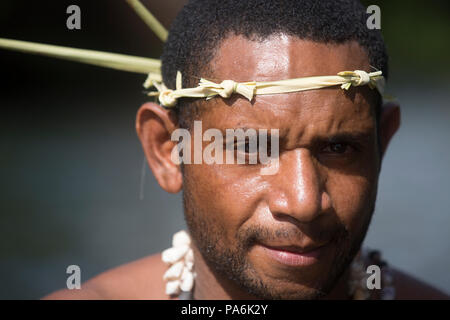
[(294, 249), (292, 255)]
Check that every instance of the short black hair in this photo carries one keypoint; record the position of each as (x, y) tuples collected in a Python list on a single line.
[(202, 24)]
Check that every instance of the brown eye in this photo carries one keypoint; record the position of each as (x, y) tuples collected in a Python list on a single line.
[(337, 147)]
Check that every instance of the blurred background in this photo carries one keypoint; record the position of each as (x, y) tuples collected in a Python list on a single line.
[(71, 164)]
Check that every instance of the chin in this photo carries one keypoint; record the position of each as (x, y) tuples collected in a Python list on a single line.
[(285, 287), (270, 280), (289, 291)]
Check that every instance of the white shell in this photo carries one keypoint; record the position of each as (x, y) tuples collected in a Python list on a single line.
[(174, 272), (189, 256), (181, 238), (179, 276), (188, 282), (174, 254), (173, 287), (190, 266)]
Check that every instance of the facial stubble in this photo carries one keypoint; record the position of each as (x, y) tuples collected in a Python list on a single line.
[(232, 263)]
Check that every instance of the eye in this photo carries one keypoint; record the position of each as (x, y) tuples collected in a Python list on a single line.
[(342, 151), (249, 149), (337, 148)]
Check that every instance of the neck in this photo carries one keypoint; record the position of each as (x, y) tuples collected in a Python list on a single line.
[(211, 286)]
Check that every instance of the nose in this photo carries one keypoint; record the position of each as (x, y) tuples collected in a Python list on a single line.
[(298, 189)]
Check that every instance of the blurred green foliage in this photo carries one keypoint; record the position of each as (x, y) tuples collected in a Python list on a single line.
[(417, 34)]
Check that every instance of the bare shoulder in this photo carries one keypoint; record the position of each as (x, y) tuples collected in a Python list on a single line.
[(140, 279), (410, 288)]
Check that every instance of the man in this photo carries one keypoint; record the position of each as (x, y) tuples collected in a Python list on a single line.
[(292, 234)]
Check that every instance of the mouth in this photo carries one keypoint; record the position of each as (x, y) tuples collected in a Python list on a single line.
[(293, 255)]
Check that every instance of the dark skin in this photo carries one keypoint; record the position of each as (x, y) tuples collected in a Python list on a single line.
[(315, 193), (319, 190)]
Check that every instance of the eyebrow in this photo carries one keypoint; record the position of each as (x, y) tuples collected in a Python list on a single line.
[(245, 128), (355, 137), (361, 136)]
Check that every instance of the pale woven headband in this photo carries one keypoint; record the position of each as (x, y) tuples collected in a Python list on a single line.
[(205, 89)]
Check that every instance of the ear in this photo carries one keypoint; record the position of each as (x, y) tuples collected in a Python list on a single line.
[(389, 123), (154, 126)]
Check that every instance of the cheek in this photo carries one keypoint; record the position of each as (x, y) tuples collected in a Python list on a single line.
[(227, 195), (353, 189), (353, 198)]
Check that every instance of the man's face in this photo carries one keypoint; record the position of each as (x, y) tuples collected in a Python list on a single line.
[(246, 224)]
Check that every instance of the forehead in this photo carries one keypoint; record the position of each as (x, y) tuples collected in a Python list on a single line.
[(281, 57), (284, 57)]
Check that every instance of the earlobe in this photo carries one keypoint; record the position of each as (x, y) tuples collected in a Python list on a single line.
[(154, 127), (389, 123)]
